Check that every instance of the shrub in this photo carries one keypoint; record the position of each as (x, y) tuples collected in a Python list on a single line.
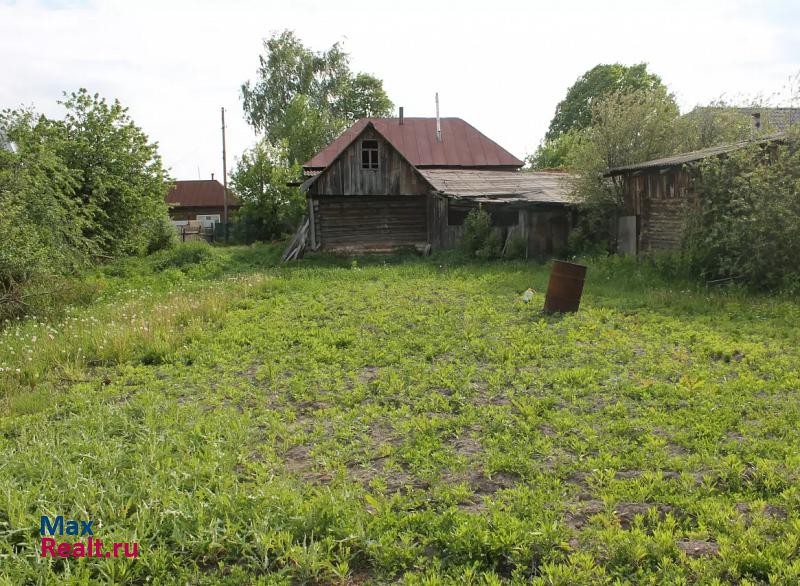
[(121, 181), (491, 248), (477, 228), (516, 246), (161, 235), (74, 191), (46, 297), (187, 255), (745, 224)]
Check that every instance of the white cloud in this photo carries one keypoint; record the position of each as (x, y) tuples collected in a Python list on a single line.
[(502, 66)]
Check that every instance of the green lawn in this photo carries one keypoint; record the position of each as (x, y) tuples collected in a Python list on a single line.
[(384, 420)]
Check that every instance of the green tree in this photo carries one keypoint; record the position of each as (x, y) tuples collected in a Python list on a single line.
[(627, 128), (42, 223), (574, 112), (122, 182), (555, 153), (270, 207), (715, 124), (307, 98)]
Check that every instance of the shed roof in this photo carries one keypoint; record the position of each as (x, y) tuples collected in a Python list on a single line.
[(462, 144), (507, 186), (692, 156), (200, 193)]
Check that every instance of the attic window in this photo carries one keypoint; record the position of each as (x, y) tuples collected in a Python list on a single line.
[(369, 154)]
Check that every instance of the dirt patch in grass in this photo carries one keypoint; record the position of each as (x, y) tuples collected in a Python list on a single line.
[(396, 480), (484, 484), (368, 374), (467, 446), (578, 478), (695, 549), (675, 450), (769, 511), (482, 396), (580, 515), (626, 513), (309, 407), (298, 460)]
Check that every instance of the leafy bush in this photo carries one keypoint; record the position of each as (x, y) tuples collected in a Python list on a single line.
[(491, 248), (477, 227), (45, 296), (270, 208), (555, 153), (161, 235), (745, 224), (516, 247), (42, 223), (186, 255)]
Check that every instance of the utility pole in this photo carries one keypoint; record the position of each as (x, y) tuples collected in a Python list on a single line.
[(224, 179)]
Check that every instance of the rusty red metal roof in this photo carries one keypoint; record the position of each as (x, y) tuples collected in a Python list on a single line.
[(462, 144), (200, 193)]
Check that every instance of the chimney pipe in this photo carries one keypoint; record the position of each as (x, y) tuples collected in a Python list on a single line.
[(401, 115), (212, 177), (438, 122)]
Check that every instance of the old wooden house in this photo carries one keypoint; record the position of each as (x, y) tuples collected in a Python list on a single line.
[(658, 193), (410, 182), (200, 200)]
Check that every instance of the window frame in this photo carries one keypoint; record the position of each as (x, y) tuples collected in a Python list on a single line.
[(374, 163)]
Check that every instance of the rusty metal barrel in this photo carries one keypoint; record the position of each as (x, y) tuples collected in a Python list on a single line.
[(565, 287)]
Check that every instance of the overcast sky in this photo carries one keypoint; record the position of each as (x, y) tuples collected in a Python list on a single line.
[(501, 65)]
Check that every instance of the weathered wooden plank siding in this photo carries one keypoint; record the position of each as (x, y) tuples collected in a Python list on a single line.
[(663, 225), (346, 177), (369, 209), (658, 199), (371, 222)]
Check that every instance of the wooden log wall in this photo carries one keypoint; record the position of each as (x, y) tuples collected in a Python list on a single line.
[(658, 200), (370, 222)]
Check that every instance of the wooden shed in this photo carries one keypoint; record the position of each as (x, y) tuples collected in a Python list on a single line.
[(395, 182), (656, 195)]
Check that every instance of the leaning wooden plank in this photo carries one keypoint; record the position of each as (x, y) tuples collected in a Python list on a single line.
[(297, 244)]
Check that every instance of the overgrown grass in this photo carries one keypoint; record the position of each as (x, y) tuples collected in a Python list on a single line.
[(395, 418)]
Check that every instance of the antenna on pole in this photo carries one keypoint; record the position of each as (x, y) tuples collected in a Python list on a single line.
[(224, 179), (438, 122)]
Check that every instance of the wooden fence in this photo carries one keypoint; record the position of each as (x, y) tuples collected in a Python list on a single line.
[(195, 231)]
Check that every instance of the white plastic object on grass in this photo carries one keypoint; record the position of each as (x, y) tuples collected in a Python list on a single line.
[(528, 295)]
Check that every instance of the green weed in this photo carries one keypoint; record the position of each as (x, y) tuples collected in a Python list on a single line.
[(403, 419)]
